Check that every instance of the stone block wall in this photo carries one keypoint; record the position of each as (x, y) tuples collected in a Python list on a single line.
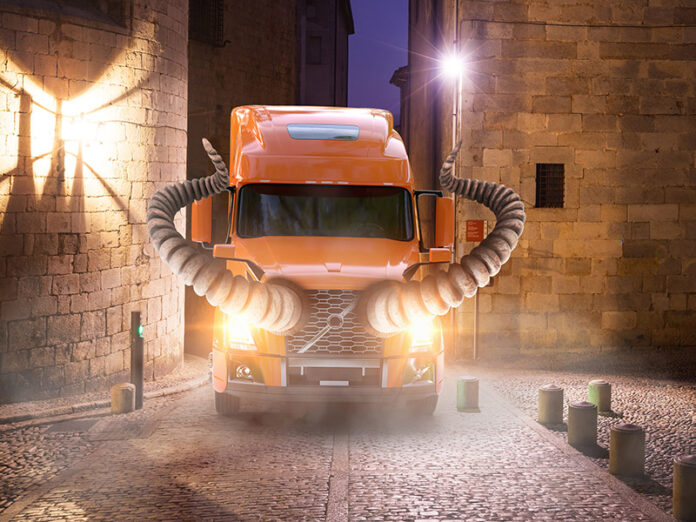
[(252, 67), (616, 266), (93, 118)]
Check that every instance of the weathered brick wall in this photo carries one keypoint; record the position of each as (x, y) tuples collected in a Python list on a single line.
[(616, 267), (92, 122), (257, 65)]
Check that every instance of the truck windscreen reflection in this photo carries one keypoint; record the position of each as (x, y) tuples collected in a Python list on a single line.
[(338, 211)]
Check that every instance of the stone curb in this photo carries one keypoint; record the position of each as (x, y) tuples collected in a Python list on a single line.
[(93, 405)]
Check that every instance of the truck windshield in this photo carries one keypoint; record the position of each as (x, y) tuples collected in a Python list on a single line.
[(316, 210)]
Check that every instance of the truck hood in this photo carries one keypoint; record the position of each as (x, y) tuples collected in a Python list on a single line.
[(329, 262)]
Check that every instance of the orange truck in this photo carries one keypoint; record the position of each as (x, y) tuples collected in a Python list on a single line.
[(325, 198)]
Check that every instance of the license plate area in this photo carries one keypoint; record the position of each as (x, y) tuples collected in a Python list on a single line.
[(328, 372)]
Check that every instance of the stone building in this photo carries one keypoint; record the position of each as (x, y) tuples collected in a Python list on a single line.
[(92, 122), (324, 27), (101, 104), (588, 110)]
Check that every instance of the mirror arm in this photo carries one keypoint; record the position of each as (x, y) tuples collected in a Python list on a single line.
[(255, 269), (412, 269)]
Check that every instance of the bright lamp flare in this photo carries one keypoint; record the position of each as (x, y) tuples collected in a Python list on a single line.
[(452, 65), (238, 334), (421, 334)]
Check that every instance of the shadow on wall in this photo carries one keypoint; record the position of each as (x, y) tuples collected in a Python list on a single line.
[(65, 153)]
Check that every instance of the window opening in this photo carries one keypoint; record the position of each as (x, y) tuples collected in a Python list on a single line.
[(550, 181)]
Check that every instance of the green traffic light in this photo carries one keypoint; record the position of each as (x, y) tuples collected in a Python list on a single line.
[(140, 330)]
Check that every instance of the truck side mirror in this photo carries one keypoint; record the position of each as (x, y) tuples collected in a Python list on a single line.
[(444, 222), (202, 220)]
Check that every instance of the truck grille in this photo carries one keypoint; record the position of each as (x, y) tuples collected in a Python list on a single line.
[(349, 339)]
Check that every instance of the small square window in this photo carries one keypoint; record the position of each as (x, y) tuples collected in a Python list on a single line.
[(550, 181)]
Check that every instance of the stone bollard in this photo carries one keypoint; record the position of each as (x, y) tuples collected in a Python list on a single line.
[(468, 394), (684, 488), (122, 397), (599, 394), (550, 404), (626, 450), (582, 424)]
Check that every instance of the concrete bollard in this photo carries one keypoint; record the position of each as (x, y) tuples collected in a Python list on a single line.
[(626, 450), (684, 488), (550, 404), (122, 397), (468, 394), (599, 394), (582, 424)]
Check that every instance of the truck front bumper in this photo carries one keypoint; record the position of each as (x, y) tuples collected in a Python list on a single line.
[(322, 394)]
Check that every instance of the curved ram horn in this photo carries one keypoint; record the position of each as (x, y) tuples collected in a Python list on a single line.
[(278, 306), (388, 309)]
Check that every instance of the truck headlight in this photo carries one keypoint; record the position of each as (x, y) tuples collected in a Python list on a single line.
[(238, 334), (422, 334)]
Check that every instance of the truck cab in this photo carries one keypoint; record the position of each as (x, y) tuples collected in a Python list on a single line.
[(324, 197)]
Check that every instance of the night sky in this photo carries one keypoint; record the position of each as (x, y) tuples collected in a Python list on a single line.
[(378, 47)]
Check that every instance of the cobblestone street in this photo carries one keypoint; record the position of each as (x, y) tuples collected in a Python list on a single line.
[(177, 459)]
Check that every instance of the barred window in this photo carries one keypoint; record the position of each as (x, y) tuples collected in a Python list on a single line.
[(550, 181), (206, 21)]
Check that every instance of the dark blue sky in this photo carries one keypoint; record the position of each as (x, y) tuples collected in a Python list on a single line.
[(378, 47)]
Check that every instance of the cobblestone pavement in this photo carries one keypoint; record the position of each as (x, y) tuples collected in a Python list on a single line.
[(177, 459), (665, 409)]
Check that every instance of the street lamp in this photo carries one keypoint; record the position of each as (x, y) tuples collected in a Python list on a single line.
[(452, 66)]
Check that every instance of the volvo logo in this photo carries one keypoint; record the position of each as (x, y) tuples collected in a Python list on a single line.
[(334, 321)]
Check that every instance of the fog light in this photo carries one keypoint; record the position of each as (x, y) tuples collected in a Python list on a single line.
[(417, 370), (243, 372)]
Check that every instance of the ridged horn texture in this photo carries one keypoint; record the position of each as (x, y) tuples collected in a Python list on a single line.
[(390, 308), (278, 307)]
